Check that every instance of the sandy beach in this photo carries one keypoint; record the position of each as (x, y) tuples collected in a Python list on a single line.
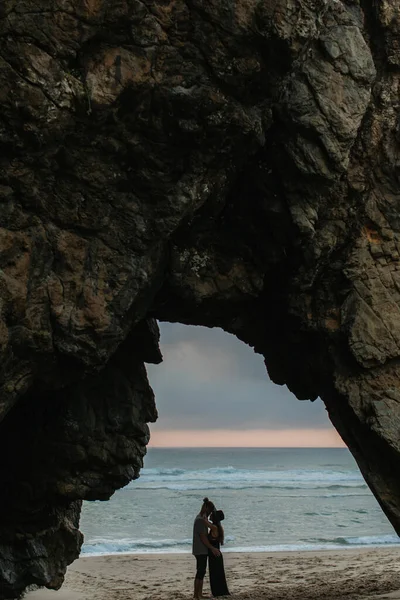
[(351, 574)]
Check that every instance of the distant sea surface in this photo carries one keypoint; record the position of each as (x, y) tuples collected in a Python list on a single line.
[(273, 499)]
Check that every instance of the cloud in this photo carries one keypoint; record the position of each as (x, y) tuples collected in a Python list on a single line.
[(209, 380)]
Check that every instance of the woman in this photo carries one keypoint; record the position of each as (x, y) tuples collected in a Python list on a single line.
[(216, 563)]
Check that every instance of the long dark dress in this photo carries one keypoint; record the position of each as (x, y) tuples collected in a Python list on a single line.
[(217, 571)]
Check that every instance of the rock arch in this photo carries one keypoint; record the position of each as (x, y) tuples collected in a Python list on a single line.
[(216, 163)]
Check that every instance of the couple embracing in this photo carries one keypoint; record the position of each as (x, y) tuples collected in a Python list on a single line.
[(208, 537)]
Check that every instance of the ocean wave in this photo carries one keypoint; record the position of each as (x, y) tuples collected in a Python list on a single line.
[(229, 472), (127, 546), (202, 485), (160, 472), (175, 471), (323, 544), (345, 495), (366, 540), (342, 486), (228, 477), (101, 546)]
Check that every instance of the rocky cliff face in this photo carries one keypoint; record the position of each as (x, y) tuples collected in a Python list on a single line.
[(229, 163)]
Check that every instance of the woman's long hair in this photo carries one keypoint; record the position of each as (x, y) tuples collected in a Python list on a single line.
[(216, 517)]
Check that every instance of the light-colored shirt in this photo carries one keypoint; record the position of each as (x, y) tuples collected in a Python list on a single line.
[(199, 527)]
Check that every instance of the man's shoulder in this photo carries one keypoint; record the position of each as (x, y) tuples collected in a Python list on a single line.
[(199, 520)]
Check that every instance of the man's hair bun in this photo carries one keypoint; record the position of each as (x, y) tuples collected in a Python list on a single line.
[(205, 500)]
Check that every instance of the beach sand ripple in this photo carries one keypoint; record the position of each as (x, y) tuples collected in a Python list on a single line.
[(354, 574)]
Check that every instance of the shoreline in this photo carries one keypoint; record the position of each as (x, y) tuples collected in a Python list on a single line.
[(243, 550), (356, 574)]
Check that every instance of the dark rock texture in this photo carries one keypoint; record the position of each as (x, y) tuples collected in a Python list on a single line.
[(230, 163)]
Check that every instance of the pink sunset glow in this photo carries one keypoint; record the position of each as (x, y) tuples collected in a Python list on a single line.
[(254, 438)]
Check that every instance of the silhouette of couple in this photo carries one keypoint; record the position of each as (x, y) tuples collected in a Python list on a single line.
[(208, 537)]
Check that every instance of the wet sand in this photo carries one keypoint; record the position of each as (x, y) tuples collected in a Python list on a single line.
[(352, 574)]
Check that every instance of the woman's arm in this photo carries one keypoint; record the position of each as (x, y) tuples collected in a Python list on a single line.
[(211, 526), (207, 544)]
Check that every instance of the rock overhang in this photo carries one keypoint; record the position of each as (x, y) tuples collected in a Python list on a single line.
[(229, 164)]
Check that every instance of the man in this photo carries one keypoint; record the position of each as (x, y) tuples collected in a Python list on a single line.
[(201, 546)]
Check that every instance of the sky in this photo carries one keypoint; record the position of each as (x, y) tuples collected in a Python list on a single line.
[(212, 390)]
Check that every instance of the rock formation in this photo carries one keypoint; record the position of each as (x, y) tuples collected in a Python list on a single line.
[(230, 163)]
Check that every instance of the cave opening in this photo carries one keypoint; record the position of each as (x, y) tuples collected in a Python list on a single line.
[(275, 465)]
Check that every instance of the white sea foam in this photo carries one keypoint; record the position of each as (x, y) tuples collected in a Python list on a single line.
[(101, 546), (231, 478), (364, 540), (191, 487), (324, 544), (98, 546)]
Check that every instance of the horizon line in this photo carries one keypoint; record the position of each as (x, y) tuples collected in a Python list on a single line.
[(253, 438)]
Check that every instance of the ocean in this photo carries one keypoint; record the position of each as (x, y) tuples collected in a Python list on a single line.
[(273, 499)]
